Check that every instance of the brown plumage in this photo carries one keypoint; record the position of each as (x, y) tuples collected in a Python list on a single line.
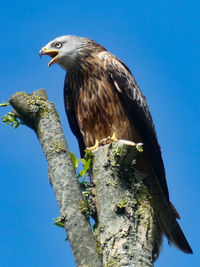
[(102, 98)]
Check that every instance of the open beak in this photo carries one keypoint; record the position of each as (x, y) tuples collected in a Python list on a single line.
[(50, 52)]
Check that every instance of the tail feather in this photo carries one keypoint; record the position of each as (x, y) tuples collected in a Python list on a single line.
[(166, 215), (174, 211), (177, 238), (173, 231)]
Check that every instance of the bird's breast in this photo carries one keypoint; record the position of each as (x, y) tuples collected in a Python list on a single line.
[(100, 113)]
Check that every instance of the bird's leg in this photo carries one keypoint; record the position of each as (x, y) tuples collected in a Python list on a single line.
[(103, 142), (108, 140), (96, 145)]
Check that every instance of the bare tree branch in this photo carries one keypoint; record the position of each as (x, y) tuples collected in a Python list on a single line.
[(126, 229), (39, 114)]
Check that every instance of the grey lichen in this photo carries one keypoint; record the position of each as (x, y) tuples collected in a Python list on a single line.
[(39, 114), (40, 133), (123, 205)]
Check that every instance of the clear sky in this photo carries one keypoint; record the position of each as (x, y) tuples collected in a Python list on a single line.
[(160, 42)]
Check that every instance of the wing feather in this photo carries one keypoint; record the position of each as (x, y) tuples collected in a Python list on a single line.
[(119, 74), (70, 110)]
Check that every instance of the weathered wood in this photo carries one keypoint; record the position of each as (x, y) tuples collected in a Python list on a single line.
[(39, 114), (126, 224)]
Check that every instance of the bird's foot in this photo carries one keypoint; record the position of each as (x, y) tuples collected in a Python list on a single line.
[(108, 140), (96, 145), (103, 142)]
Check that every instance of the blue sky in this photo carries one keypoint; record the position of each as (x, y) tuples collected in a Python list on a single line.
[(160, 42)]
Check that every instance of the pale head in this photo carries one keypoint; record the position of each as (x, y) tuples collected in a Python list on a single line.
[(68, 50)]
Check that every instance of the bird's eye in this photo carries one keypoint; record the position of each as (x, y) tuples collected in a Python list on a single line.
[(58, 44)]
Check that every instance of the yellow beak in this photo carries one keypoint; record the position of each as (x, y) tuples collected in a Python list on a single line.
[(50, 52)]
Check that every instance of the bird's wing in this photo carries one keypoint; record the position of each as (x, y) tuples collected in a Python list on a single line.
[(70, 110), (123, 81)]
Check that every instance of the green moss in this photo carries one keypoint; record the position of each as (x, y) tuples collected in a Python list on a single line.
[(44, 112), (34, 100), (123, 204), (99, 249), (99, 229), (144, 209), (111, 182), (120, 207), (83, 206), (23, 93), (59, 221), (139, 147), (55, 111), (57, 146), (116, 149), (113, 261)]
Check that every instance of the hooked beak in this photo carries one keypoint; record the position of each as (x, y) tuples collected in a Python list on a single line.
[(50, 52)]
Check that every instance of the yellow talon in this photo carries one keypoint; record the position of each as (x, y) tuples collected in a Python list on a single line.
[(96, 145), (113, 137), (108, 140), (103, 142)]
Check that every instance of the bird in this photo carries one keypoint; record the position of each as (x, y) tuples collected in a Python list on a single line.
[(103, 100)]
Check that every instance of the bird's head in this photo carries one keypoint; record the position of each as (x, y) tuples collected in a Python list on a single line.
[(68, 51)]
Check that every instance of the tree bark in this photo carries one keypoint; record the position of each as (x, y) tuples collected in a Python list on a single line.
[(126, 227), (38, 113), (126, 230)]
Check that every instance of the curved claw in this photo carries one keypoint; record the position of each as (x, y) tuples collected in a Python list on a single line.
[(96, 145)]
